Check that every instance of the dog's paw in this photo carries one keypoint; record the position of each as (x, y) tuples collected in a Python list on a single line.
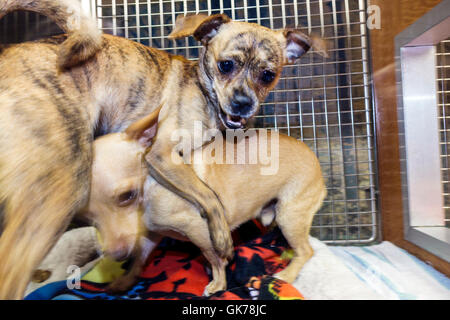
[(286, 275), (213, 287)]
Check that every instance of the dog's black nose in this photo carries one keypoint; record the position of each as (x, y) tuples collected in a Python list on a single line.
[(241, 104)]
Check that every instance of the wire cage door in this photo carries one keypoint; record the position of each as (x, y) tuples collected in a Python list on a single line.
[(325, 102), (443, 90)]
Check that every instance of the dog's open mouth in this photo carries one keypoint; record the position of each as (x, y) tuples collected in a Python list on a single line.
[(232, 122)]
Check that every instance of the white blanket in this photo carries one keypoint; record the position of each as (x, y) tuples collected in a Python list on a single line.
[(381, 271)]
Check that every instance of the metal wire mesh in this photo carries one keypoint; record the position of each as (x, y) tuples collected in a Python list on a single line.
[(20, 26), (443, 85), (324, 102)]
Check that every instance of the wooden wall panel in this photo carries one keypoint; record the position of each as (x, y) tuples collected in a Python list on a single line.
[(396, 15)]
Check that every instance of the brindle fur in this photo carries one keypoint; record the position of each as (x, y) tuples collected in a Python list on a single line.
[(48, 122)]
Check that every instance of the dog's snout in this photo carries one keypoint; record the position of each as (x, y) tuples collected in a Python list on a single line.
[(118, 254), (241, 104), (120, 251)]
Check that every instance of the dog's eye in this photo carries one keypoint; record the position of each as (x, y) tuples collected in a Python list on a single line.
[(226, 66), (267, 76), (127, 198)]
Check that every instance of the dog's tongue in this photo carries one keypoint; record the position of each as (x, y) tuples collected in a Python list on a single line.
[(236, 121)]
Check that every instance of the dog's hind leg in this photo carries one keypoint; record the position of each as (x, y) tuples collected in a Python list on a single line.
[(25, 242), (197, 232), (34, 222), (44, 181), (294, 217), (191, 226), (219, 281)]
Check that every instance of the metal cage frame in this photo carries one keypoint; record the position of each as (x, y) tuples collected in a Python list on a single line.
[(422, 130)]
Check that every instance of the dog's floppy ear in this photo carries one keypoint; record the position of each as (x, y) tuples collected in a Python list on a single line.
[(201, 26), (298, 43), (145, 129)]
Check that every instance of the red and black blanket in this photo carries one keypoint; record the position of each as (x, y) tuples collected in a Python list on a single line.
[(177, 270)]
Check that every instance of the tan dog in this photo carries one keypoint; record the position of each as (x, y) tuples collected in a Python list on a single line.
[(51, 113), (120, 185)]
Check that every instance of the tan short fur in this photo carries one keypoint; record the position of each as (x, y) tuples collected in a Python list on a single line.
[(297, 188)]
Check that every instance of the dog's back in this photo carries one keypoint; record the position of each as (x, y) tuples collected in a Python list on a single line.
[(281, 166), (243, 190)]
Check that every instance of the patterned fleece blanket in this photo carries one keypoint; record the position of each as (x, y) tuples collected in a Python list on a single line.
[(177, 270)]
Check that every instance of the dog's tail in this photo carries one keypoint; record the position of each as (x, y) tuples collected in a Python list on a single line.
[(84, 38)]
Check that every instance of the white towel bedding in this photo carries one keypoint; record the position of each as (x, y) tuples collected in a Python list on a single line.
[(381, 271)]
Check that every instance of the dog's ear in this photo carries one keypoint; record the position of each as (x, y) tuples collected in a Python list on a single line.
[(320, 46), (145, 129), (298, 43), (201, 26), (208, 28)]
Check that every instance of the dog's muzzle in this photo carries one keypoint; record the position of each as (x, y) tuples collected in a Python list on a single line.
[(242, 108)]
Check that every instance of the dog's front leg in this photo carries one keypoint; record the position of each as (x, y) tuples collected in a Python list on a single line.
[(181, 179)]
